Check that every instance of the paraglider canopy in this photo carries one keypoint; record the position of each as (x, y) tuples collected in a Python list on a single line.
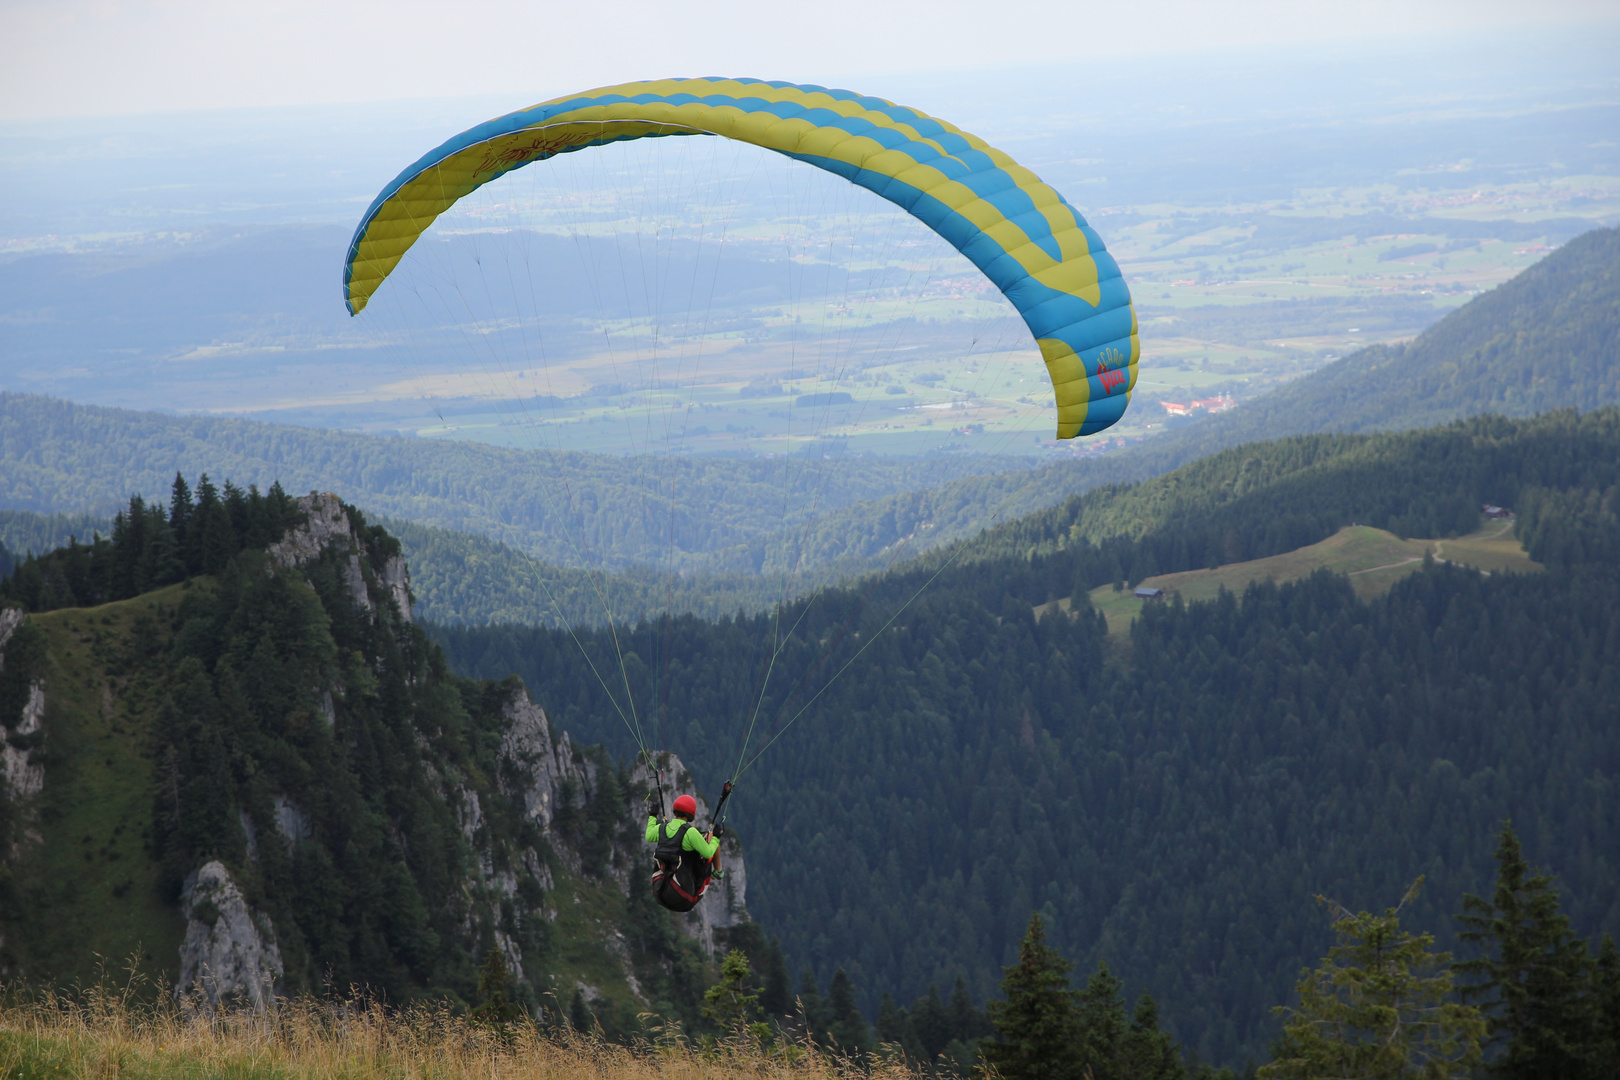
[(1034, 247)]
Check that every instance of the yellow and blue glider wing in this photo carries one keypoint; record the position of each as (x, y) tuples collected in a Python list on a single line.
[(1031, 244)]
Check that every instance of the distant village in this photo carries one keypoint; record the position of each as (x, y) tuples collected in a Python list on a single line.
[(1210, 404)]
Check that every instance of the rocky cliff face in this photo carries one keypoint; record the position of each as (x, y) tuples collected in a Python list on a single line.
[(273, 780), (327, 527), (21, 772), (229, 953), (544, 773), (541, 776)]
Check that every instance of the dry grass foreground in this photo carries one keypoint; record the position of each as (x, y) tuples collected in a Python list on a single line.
[(108, 1035)]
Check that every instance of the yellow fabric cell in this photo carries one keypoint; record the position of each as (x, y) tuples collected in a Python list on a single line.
[(894, 162), (1077, 277), (1061, 361), (1071, 241), (820, 141)]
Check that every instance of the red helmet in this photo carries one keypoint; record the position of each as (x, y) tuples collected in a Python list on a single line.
[(686, 806)]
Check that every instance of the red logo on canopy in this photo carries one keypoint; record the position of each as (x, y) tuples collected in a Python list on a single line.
[(1109, 377)]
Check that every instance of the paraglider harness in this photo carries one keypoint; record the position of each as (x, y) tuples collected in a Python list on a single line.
[(682, 876)]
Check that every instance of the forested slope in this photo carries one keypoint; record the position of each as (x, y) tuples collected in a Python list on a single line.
[(568, 508), (1547, 339), (1550, 338), (1174, 806), (232, 758), (1267, 498)]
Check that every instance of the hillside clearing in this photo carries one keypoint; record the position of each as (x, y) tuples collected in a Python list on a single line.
[(91, 890), (1374, 560)]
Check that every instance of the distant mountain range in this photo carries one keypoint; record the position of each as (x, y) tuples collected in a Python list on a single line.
[(752, 531)]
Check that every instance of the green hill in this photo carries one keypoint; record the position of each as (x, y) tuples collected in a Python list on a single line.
[(1172, 806), (571, 509), (1373, 560), (731, 550), (1547, 339), (460, 577), (1550, 338), (237, 760)]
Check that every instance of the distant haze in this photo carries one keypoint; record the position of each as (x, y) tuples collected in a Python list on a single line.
[(1288, 193), (90, 57)]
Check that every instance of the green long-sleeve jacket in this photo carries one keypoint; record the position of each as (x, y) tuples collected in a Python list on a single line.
[(693, 840)]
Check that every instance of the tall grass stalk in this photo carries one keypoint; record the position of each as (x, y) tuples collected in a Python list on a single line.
[(117, 1032)]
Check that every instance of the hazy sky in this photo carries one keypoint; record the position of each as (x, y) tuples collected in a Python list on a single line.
[(98, 57)]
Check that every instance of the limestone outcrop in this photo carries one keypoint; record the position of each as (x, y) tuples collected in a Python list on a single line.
[(20, 771), (726, 903), (326, 525), (541, 772), (534, 767), (229, 953)]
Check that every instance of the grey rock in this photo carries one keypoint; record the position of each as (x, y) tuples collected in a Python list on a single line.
[(533, 767), (22, 775), (291, 821), (355, 578), (326, 525), (229, 953), (10, 619), (726, 903), (396, 578)]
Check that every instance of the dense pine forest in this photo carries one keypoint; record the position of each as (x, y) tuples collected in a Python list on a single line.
[(605, 510), (1171, 803), (1168, 805), (277, 713)]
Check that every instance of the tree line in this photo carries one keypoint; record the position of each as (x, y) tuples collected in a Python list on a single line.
[(151, 546), (1232, 758), (1533, 1000), (570, 508)]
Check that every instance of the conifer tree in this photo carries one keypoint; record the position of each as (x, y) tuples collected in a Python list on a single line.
[(1113, 1047), (1533, 973), (891, 1021), (1147, 1053), (494, 1008), (968, 1023), (930, 1026), (1605, 1010), (847, 1026), (728, 1004), (776, 996), (210, 542), (1036, 1025), (813, 1007), (1102, 1023), (180, 507), (579, 1013), (1377, 1008)]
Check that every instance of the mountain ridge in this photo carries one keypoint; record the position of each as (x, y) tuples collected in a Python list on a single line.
[(288, 789)]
